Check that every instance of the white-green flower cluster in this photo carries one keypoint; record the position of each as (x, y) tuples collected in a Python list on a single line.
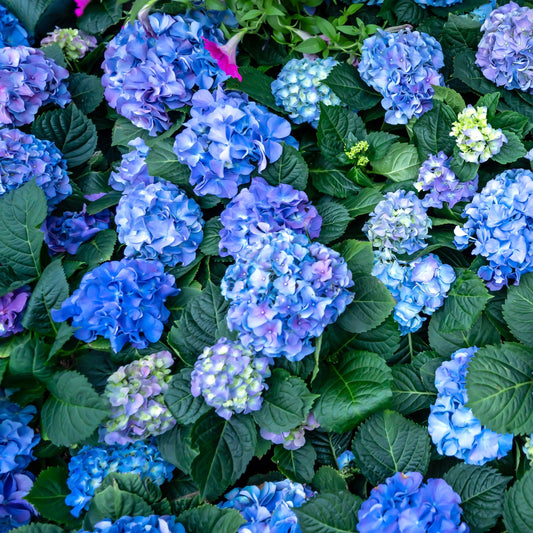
[(74, 43), (528, 449)]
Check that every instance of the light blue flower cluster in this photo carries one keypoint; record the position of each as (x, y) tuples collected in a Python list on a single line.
[(284, 291), (418, 287), (123, 301), (402, 504), (226, 138), (482, 12), (262, 208), (135, 393), (88, 468), (299, 88), (157, 64), (501, 227), (436, 177), (23, 157), (139, 524), (438, 3), (403, 67), (344, 459), (15, 511), (454, 429), (12, 306), (133, 169), (504, 52), (295, 438), (12, 33), (268, 509)]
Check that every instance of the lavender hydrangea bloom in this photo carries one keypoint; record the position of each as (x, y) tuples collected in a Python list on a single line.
[(29, 80), (436, 177), (23, 157), (122, 301), (88, 468), (298, 88), (139, 524), (294, 439), (403, 504), (504, 52), (12, 33), (74, 43), (454, 429), (284, 291), (15, 511), (230, 377), (501, 227), (403, 67), (159, 221), (133, 169), (135, 392), (12, 306), (261, 209), (226, 139)]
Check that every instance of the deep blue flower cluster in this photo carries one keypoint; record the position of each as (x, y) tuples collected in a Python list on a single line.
[(23, 157), (403, 67), (454, 429), (138, 524), (284, 291), (295, 438), (15, 511), (344, 459), (133, 169), (500, 224), (438, 3), (88, 468), (12, 33), (226, 138), (123, 301), (262, 208), (403, 504)]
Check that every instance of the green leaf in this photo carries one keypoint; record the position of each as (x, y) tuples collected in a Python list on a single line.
[(518, 309), (99, 249), (511, 151), (210, 518), (40, 528), (464, 170), (387, 443), (87, 91), (408, 391), (125, 131), (400, 164), (350, 390), (209, 245), (335, 219), (134, 484), (290, 168), (460, 33), (383, 340), (329, 180), (490, 101), (29, 12), (328, 479), (63, 335), (467, 71), (379, 143), (98, 16), (55, 52), (362, 203), (358, 255), (518, 506), (432, 130), (176, 448), (29, 357), (511, 121), (110, 199), (297, 465), (450, 97), (500, 387), (163, 163), (313, 45), (185, 408)]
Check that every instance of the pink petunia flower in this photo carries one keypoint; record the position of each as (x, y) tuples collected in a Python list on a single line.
[(81, 5), (225, 55)]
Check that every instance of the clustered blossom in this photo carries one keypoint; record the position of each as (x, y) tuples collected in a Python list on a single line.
[(12, 306), (133, 169), (418, 287), (504, 51), (262, 208), (454, 429), (299, 88), (344, 459), (152, 67), (269, 508), (23, 157), (438, 3), (230, 377), (476, 139), (501, 227), (403, 67), (15, 511), (123, 301), (74, 43), (404, 504), (528, 449), (482, 12), (295, 438), (135, 392), (29, 80), (12, 33), (284, 291), (88, 468), (439, 180), (139, 524), (159, 221), (226, 138)]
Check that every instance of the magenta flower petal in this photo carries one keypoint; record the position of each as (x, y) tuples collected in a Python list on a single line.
[(225, 55)]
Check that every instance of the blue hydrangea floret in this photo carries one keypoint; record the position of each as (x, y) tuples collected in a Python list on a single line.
[(132, 169), (138, 524), (12, 33), (15, 511)]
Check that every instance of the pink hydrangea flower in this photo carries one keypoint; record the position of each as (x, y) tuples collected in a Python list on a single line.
[(80, 7), (225, 55)]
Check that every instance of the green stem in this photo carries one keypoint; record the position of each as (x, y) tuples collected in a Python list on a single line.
[(410, 339), (318, 346)]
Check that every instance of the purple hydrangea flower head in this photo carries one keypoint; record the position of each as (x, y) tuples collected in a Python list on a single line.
[(135, 392), (454, 429), (157, 66), (226, 138), (500, 224), (123, 301), (15, 511), (344, 459), (438, 179), (299, 88), (133, 169), (403, 504), (269, 507), (230, 377), (399, 224), (159, 221), (295, 438), (89, 467), (284, 291), (403, 67), (12, 306), (438, 3), (74, 43), (139, 524), (23, 157), (504, 51), (29, 80), (12, 33), (262, 208)]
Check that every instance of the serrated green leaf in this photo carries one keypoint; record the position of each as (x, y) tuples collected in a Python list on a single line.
[(379, 143), (297, 465), (87, 91), (330, 180), (125, 131), (328, 479), (511, 151), (511, 121), (358, 255), (362, 203), (29, 357), (99, 249), (176, 447), (383, 340), (209, 245), (185, 408), (290, 168), (490, 101), (329, 445), (467, 71), (518, 309), (450, 97), (29, 12), (335, 219), (40, 528), (108, 200), (518, 507), (98, 16), (432, 131), (401, 163), (409, 393), (210, 518), (464, 170), (163, 163)]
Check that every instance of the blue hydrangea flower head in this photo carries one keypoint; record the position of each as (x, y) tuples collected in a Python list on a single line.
[(454, 429), (123, 301), (344, 459), (15, 511), (133, 169), (88, 468), (12, 307), (402, 67), (139, 524), (438, 3), (284, 290), (226, 138), (23, 157), (74, 43), (12, 33), (299, 88), (262, 208), (482, 12), (159, 221), (501, 227), (295, 438)]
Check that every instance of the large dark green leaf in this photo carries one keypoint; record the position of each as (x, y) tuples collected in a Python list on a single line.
[(335, 219), (518, 309), (432, 131), (210, 518), (409, 393), (86, 90), (518, 506), (290, 168), (297, 465), (401, 163)]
